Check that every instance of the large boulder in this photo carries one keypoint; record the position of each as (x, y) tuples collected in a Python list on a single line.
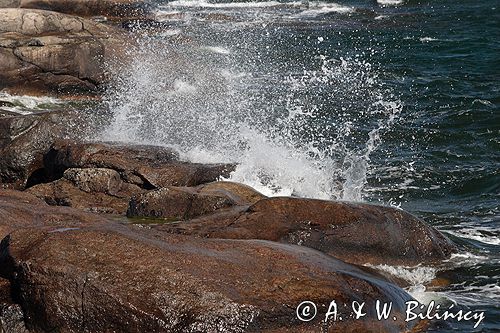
[(33, 152), (48, 52), (354, 232), (109, 8), (71, 274)]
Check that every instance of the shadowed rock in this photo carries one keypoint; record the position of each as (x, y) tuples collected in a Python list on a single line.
[(24, 140), (11, 314)]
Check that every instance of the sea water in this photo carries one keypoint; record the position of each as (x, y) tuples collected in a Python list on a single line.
[(391, 102)]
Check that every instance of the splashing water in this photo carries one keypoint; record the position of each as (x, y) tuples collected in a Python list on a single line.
[(304, 132)]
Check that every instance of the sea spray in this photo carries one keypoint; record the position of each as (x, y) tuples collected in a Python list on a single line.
[(312, 137)]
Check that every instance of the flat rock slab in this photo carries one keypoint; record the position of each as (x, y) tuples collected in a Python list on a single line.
[(21, 210)]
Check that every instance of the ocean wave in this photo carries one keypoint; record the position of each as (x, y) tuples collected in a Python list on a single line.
[(417, 277)]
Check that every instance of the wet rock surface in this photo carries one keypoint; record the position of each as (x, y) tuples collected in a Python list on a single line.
[(220, 257), (176, 203), (354, 232), (21, 210), (48, 52), (148, 167), (107, 276), (24, 140), (93, 189)]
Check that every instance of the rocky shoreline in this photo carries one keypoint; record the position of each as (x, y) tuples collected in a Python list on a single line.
[(103, 236)]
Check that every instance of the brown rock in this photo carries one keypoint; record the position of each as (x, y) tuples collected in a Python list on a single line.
[(111, 8), (25, 139), (42, 51), (177, 203), (97, 190), (20, 210), (5, 291), (354, 232), (11, 315), (149, 167), (184, 203), (240, 193), (112, 278)]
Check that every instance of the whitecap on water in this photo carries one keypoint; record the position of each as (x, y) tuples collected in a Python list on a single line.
[(417, 277), (427, 39), (321, 8), (390, 2), (27, 104), (208, 4), (483, 234)]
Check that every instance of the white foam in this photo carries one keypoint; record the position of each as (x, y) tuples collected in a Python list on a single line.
[(28, 104), (207, 4), (183, 87), (217, 49), (321, 8), (417, 277), (170, 32), (477, 293), (485, 235), (427, 39), (483, 102), (389, 2), (211, 112)]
